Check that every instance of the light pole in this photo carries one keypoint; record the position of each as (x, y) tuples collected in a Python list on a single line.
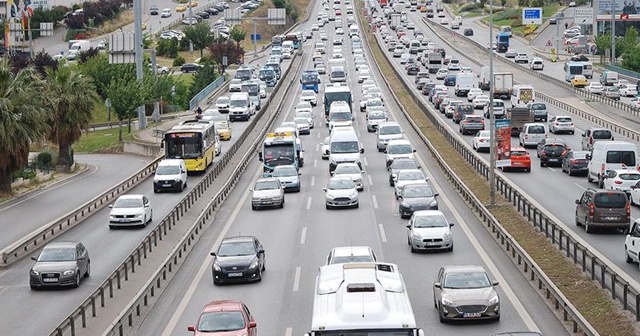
[(492, 118), (190, 23), (613, 32)]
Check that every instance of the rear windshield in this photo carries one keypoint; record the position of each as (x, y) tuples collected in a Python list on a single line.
[(610, 200), (466, 108), (601, 134), (539, 106), (629, 177), (518, 153), (564, 119), (628, 158), (537, 129)]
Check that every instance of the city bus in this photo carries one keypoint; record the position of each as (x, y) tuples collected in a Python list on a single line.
[(296, 37), (571, 69), (310, 80), (278, 149), (194, 141)]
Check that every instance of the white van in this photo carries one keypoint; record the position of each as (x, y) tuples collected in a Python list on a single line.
[(170, 174), (611, 155), (339, 115), (532, 134), (287, 49), (353, 31), (240, 106), (78, 47), (522, 95), (344, 146)]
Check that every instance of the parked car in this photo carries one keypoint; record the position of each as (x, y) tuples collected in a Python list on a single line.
[(190, 67)]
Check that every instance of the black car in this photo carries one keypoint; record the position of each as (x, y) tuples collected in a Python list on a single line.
[(580, 58), (189, 67), (400, 164), (416, 196), (413, 69), (204, 15), (426, 89), (239, 259), (575, 162), (154, 10), (552, 151), (468, 32), (212, 10), (450, 80)]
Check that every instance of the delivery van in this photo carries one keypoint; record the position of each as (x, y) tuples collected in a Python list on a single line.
[(611, 155)]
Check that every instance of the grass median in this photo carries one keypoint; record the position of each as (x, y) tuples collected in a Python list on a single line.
[(594, 303)]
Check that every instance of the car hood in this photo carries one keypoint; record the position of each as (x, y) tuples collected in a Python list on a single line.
[(435, 232), (413, 201), (126, 211), (266, 193), (219, 105), (340, 193), (345, 157), (240, 261), (469, 296), (238, 109), (351, 176), (57, 266), (223, 333), (288, 179)]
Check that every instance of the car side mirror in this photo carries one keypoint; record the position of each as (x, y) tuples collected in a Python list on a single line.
[(191, 328), (451, 224), (161, 144), (259, 156), (252, 324), (577, 201), (324, 189), (437, 285), (261, 251), (588, 156), (110, 206), (414, 150), (361, 150), (495, 283), (213, 254), (34, 258), (408, 226)]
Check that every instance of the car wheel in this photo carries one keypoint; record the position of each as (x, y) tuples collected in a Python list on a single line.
[(451, 248), (111, 227), (33, 287), (87, 273), (413, 250), (327, 206), (542, 164), (600, 182), (440, 316), (76, 284), (627, 259), (155, 191), (253, 207), (589, 179), (357, 205)]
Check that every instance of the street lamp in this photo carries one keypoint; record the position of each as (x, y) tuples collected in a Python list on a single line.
[(492, 119)]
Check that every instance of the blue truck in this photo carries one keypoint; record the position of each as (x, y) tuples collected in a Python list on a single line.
[(502, 42)]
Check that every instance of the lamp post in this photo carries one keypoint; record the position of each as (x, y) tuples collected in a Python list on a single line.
[(492, 118), (613, 32)]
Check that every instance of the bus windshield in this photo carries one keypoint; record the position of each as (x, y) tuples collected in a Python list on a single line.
[(278, 155), (183, 145), (309, 77)]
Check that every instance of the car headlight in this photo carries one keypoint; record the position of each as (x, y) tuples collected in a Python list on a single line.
[(140, 214), (406, 205), (433, 204), (177, 179), (416, 236), (68, 272), (35, 272), (155, 181), (253, 264), (333, 160), (447, 302), (494, 300), (216, 267), (447, 235)]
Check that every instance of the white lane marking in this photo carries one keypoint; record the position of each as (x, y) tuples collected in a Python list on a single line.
[(296, 279), (168, 330), (382, 234), (366, 163), (309, 203), (579, 186), (551, 169), (315, 163), (508, 291), (288, 332), (318, 135), (374, 200), (370, 180), (317, 147), (303, 235), (313, 180)]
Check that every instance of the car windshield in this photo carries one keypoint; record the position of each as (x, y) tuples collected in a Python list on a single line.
[(221, 321), (223, 100), (128, 203), (466, 280), (387, 130), (399, 149), (374, 102), (601, 134), (417, 191), (539, 106), (301, 120), (230, 249), (536, 129), (610, 200), (347, 169), (410, 175), (580, 155), (483, 134), (303, 105), (404, 164), (375, 116), (430, 221), (515, 152), (341, 184), (564, 119), (168, 170), (284, 172), (238, 103), (51, 254), (267, 185), (351, 259)]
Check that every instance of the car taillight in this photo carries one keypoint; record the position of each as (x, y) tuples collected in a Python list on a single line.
[(628, 209), (573, 161), (592, 210), (617, 182)]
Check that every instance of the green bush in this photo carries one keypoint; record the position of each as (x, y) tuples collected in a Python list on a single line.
[(179, 61), (469, 7), (44, 159), (168, 48)]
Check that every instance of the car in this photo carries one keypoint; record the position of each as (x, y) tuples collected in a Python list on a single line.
[(628, 90), (579, 81), (304, 106), (399, 165), (351, 254), (212, 10), (203, 15), (166, 12), (235, 85), (406, 176), (552, 151), (593, 134), (622, 179), (454, 65), (302, 124), (444, 21), (153, 10), (480, 101), (307, 115), (442, 73), (238, 259), (181, 8), (399, 149), (473, 92), (190, 67), (420, 75), (161, 70), (324, 148), (374, 118), (363, 75), (603, 209), (191, 21), (450, 80), (223, 129), (468, 32), (456, 286), (520, 159), (572, 4), (130, 210), (455, 25), (471, 124), (170, 174), (594, 88), (222, 104), (482, 141), (288, 176), (429, 230), (415, 197), (521, 58), (562, 124), (510, 53), (580, 58), (224, 317), (350, 170), (267, 192), (60, 264), (575, 162), (421, 83), (611, 92), (341, 192), (413, 69)]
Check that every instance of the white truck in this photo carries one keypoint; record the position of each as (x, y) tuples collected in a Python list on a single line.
[(503, 85), (464, 83), (434, 62), (77, 47), (395, 21)]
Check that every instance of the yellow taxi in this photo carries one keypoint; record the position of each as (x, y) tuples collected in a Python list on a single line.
[(193, 3), (423, 9), (181, 8), (579, 81), (223, 129)]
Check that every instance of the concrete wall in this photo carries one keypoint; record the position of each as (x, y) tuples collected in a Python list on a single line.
[(142, 148)]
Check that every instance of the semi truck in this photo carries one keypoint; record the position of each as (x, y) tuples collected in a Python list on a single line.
[(519, 116), (502, 42), (503, 85)]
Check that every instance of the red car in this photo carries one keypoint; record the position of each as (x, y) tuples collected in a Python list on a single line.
[(520, 159), (225, 318)]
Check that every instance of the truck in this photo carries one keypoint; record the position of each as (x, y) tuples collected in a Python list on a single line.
[(434, 61), (464, 83), (502, 42), (503, 85), (395, 21), (279, 149), (397, 7), (336, 93), (383, 3), (519, 116)]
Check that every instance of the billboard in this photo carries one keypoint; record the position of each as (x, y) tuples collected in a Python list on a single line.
[(602, 8), (503, 143)]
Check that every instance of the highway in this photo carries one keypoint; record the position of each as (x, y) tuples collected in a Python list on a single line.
[(31, 312), (298, 238)]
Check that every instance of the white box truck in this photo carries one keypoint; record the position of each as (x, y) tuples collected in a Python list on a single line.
[(503, 85), (464, 83)]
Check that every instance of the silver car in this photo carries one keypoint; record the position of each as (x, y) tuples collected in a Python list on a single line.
[(465, 293), (341, 192), (407, 176), (60, 264), (429, 230), (267, 192), (374, 118), (130, 210), (387, 131), (288, 176), (352, 171)]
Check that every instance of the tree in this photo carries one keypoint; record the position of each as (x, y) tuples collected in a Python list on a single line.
[(73, 98), (631, 59), (200, 35), (228, 49), (42, 61), (125, 97), (104, 73), (201, 79), (630, 40), (503, 3), (238, 34), (23, 118)]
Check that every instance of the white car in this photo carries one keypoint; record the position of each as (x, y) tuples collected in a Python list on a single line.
[(595, 88), (562, 124), (309, 96), (442, 73), (407, 176), (235, 85), (363, 74), (263, 90), (444, 21), (306, 115), (429, 230), (352, 171), (349, 254), (521, 58), (341, 192), (473, 92), (130, 210), (304, 106), (480, 101), (324, 148), (635, 102), (267, 192), (165, 13), (454, 66), (628, 90), (511, 53), (482, 141), (622, 179)]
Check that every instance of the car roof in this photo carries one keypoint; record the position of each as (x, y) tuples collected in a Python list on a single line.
[(130, 196), (398, 142), (66, 244), (238, 239), (343, 251), (222, 305), (267, 179), (461, 268)]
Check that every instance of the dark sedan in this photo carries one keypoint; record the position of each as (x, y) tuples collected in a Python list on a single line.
[(416, 196), (552, 151), (400, 164), (468, 32), (239, 259), (189, 67), (426, 89), (212, 11), (450, 80), (204, 15), (575, 162), (60, 264)]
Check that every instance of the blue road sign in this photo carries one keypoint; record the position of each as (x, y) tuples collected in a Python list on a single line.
[(532, 16), (256, 37)]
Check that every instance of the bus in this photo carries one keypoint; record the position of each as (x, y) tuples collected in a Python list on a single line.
[(336, 92), (571, 69), (362, 299), (587, 69), (310, 80), (194, 141), (296, 37), (279, 149), (276, 40)]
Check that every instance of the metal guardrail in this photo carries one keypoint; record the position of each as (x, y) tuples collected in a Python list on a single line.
[(205, 92), (520, 257), (622, 287)]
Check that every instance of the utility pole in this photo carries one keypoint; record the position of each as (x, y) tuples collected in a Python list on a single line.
[(613, 32), (137, 25), (492, 118)]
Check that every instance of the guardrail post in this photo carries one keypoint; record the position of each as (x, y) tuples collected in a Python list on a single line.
[(637, 307)]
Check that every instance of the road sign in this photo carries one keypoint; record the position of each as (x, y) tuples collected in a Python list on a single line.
[(549, 43), (532, 16), (583, 15), (277, 16), (225, 60), (256, 37)]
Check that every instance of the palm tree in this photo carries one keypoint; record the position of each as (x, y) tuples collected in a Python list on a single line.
[(23, 118), (73, 98)]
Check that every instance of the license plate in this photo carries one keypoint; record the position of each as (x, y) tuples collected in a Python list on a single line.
[(166, 185), (611, 218), (471, 315), (552, 160), (124, 220), (234, 275), (342, 203), (50, 280), (433, 244)]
